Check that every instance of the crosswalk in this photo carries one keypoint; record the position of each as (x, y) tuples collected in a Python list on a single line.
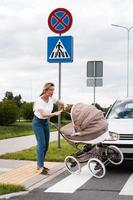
[(72, 182)]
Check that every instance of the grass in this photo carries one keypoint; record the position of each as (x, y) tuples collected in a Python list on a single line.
[(17, 129), (53, 154), (22, 128), (10, 188)]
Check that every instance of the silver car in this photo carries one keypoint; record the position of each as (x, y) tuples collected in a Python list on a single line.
[(120, 119)]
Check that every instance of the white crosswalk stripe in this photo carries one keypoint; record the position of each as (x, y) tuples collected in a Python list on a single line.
[(71, 183), (128, 187)]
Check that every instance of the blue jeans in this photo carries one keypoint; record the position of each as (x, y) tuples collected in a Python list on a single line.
[(41, 130)]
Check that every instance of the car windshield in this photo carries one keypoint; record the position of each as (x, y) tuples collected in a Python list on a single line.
[(121, 110)]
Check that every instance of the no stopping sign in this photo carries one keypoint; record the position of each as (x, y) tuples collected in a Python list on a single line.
[(60, 20)]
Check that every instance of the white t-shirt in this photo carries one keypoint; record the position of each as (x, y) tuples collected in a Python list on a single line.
[(41, 104)]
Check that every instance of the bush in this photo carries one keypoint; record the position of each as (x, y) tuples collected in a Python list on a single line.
[(8, 112), (27, 111)]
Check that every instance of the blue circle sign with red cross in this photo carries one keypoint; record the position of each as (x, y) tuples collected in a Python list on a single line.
[(60, 20)]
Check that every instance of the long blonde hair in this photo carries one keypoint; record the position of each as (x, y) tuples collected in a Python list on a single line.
[(46, 87)]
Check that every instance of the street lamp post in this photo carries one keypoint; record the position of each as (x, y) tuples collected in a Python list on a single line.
[(128, 30)]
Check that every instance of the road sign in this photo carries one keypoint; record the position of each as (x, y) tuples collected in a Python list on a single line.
[(60, 49), (94, 75), (97, 82), (60, 20), (95, 69)]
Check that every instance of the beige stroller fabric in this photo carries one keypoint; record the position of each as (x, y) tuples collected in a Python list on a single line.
[(87, 124)]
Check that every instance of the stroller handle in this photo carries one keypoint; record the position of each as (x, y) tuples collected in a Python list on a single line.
[(54, 125)]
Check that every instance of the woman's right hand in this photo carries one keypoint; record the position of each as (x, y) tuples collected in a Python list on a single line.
[(57, 113)]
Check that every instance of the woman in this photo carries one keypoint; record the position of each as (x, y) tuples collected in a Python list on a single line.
[(42, 108)]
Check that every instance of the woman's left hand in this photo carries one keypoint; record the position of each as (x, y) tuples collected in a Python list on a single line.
[(65, 106)]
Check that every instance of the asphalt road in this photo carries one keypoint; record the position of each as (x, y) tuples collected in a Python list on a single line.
[(116, 185)]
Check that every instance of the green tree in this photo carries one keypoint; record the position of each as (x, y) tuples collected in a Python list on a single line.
[(8, 112), (8, 96), (27, 111), (54, 119), (18, 100)]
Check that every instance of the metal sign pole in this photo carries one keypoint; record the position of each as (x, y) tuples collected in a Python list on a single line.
[(94, 91), (94, 87), (59, 95)]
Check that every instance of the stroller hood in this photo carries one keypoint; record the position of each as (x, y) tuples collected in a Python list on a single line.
[(87, 119)]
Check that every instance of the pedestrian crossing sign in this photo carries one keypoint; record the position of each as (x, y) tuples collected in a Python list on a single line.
[(60, 49)]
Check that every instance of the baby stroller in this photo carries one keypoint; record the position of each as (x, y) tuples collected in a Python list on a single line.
[(86, 132)]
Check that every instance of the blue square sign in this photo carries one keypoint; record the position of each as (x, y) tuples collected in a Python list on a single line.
[(60, 49)]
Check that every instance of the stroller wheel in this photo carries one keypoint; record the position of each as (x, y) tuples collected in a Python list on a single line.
[(72, 165), (114, 155), (96, 168)]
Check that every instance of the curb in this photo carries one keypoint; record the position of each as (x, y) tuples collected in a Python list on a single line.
[(15, 194), (38, 184)]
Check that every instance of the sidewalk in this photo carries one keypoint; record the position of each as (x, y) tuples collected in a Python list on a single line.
[(24, 172), (19, 143)]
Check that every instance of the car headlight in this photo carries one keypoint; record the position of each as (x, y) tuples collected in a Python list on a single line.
[(113, 136)]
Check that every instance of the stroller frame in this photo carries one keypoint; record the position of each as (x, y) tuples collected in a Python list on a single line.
[(96, 154), (97, 158)]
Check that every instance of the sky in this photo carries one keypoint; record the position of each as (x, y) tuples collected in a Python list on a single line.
[(23, 49)]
